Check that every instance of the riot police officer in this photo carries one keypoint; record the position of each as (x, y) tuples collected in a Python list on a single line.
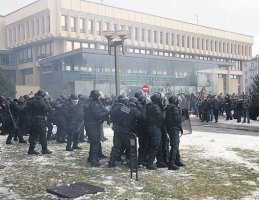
[(154, 121), (95, 114), (39, 107), (75, 119), (174, 127), (124, 119)]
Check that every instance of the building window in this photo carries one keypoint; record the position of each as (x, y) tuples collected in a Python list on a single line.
[(188, 41), (130, 32), (224, 47), (211, 45), (82, 25), (149, 36), (98, 28), (48, 23), (73, 24), (172, 39), (33, 28), (142, 34), (22, 32), (107, 26), (161, 37), (90, 26), (216, 46), (27, 30), (155, 36), (115, 27), (25, 55), (63, 23), (167, 38), (183, 42), (76, 45), (192, 42), (136, 33), (43, 24), (207, 45), (178, 40), (45, 49), (10, 36), (122, 27), (202, 44), (198, 43), (220, 47), (227, 47), (69, 46), (14, 35)]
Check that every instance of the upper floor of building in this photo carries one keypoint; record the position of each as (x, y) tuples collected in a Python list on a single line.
[(84, 21)]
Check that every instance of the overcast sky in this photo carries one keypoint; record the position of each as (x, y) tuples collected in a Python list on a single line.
[(240, 16)]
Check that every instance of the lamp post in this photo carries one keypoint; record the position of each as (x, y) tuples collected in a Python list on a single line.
[(115, 40)]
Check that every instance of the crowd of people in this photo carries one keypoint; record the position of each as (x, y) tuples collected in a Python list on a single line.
[(156, 120), (213, 106)]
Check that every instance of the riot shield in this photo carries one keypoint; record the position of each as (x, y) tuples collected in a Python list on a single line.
[(186, 122)]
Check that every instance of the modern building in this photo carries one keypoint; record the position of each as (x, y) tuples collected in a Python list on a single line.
[(251, 69), (58, 46)]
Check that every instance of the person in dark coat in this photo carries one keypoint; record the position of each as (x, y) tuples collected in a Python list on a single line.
[(154, 121), (60, 121), (75, 120), (13, 110), (216, 108), (95, 114), (125, 118), (39, 107), (174, 127)]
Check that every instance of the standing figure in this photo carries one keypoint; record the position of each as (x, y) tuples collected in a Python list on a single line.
[(154, 121), (95, 114), (174, 127), (39, 107), (75, 120)]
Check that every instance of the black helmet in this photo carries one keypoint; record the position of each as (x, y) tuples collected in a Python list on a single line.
[(41, 93), (133, 100), (95, 94), (123, 99), (138, 93), (73, 97), (156, 97), (173, 99), (142, 99)]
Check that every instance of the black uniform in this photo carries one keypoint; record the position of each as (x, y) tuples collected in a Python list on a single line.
[(39, 107), (173, 125), (124, 119), (12, 111), (95, 115), (154, 120), (75, 119)]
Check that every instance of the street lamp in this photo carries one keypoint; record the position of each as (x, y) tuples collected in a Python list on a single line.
[(116, 39)]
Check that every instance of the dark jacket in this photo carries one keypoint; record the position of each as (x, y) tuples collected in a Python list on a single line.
[(154, 115), (173, 116)]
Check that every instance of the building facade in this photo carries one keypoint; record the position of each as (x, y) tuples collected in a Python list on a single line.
[(48, 41), (251, 69)]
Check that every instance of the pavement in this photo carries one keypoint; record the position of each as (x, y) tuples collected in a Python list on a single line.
[(253, 126)]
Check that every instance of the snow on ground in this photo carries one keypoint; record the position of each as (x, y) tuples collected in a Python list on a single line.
[(219, 166)]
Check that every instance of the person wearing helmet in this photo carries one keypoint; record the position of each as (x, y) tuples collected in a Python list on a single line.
[(141, 131), (124, 118), (174, 127), (95, 115), (154, 120), (60, 121), (74, 117), (38, 107)]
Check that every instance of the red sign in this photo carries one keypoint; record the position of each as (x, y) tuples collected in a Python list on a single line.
[(145, 88)]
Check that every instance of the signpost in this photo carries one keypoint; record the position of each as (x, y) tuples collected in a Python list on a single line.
[(145, 88)]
